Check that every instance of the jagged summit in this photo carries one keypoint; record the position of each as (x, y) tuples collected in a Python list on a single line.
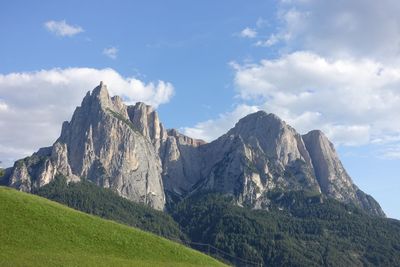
[(185, 139), (101, 93), (259, 119), (332, 177), (102, 87), (101, 144), (259, 115), (127, 149), (316, 133)]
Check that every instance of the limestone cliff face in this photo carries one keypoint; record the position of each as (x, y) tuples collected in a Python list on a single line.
[(262, 153), (331, 175), (127, 149), (259, 154), (145, 120), (181, 160), (178, 153), (101, 144)]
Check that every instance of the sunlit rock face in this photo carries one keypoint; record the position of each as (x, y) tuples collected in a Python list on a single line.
[(127, 149), (100, 144), (259, 154), (331, 175), (262, 153)]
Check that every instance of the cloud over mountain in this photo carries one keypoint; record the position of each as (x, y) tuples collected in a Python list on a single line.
[(354, 101), (34, 104)]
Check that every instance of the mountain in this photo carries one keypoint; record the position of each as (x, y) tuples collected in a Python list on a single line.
[(45, 233), (100, 144), (262, 153), (127, 149)]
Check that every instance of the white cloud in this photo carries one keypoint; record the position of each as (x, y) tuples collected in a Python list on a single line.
[(358, 28), (292, 21), (34, 104), (61, 28), (354, 101), (110, 52), (211, 129), (272, 40), (3, 106), (336, 70), (391, 152), (248, 33)]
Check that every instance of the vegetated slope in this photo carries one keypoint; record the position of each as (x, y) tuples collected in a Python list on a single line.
[(90, 198), (37, 232), (300, 229)]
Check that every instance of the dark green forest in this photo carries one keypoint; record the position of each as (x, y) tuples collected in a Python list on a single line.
[(298, 229)]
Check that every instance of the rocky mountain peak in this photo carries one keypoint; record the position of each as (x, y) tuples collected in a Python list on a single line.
[(101, 89), (127, 149), (184, 139), (318, 136), (145, 119), (270, 134), (101, 94), (260, 153), (258, 121), (332, 177), (100, 144), (328, 168)]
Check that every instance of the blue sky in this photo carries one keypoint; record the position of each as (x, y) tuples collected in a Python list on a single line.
[(331, 65)]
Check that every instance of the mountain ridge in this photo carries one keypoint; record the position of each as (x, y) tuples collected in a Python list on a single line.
[(127, 149)]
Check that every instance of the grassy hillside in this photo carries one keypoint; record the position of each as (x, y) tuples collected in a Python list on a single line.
[(90, 198), (37, 232)]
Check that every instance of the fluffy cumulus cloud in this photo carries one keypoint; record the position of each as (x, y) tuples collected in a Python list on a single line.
[(360, 28), (110, 52), (213, 128), (61, 28), (353, 101), (248, 33), (33, 105), (335, 69)]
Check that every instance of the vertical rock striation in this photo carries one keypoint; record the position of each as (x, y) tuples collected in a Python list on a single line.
[(101, 144), (259, 154), (127, 149), (331, 175)]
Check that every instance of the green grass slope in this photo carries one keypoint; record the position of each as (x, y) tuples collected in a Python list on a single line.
[(37, 232), (103, 202)]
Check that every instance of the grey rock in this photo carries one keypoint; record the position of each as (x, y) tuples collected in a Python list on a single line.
[(101, 144), (261, 153), (181, 161), (127, 149), (332, 176)]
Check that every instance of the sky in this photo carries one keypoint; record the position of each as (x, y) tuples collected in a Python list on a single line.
[(329, 65)]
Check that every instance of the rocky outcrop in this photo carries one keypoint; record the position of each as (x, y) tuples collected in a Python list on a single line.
[(262, 153), (145, 120), (127, 149), (259, 154), (331, 175), (101, 144), (181, 159)]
